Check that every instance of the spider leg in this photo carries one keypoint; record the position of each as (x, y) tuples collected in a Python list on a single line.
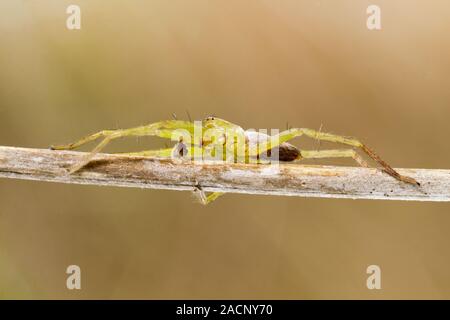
[(314, 134), (86, 159), (204, 199), (83, 141), (161, 153), (163, 129), (347, 153), (207, 199), (175, 152)]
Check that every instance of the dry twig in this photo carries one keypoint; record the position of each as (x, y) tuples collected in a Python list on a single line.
[(289, 180)]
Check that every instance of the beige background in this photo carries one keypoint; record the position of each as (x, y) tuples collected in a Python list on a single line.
[(259, 63)]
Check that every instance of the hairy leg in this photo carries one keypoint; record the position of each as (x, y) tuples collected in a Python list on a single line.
[(321, 154)]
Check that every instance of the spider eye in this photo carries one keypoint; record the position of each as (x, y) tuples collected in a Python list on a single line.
[(209, 118)]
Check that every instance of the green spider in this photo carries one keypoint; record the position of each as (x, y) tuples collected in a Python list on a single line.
[(203, 139)]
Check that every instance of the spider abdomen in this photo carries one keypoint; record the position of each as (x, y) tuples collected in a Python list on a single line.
[(286, 151)]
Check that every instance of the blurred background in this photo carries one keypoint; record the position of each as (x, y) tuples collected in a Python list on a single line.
[(259, 63)]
